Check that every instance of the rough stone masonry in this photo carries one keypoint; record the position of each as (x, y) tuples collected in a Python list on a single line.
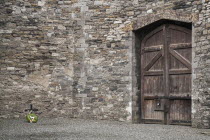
[(73, 58)]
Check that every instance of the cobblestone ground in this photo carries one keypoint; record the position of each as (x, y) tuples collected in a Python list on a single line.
[(74, 129)]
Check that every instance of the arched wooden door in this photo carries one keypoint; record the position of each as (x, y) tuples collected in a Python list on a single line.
[(166, 55)]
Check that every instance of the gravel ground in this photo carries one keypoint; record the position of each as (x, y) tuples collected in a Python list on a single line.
[(76, 129)]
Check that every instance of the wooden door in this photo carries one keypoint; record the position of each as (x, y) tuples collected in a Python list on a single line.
[(166, 75)]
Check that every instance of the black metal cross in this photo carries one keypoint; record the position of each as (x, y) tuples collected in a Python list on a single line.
[(31, 108)]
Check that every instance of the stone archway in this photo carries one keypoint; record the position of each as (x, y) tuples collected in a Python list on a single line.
[(141, 27)]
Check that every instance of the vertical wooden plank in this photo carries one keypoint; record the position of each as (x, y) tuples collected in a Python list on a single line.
[(180, 84), (166, 72), (151, 84)]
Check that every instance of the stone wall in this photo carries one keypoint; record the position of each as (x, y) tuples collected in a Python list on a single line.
[(201, 65), (74, 58), (37, 47)]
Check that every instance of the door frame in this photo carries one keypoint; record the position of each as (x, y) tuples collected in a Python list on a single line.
[(137, 36)]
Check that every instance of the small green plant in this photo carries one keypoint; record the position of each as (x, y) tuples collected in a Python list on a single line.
[(31, 117)]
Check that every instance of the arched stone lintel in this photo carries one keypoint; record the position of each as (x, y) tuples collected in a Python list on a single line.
[(167, 15)]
